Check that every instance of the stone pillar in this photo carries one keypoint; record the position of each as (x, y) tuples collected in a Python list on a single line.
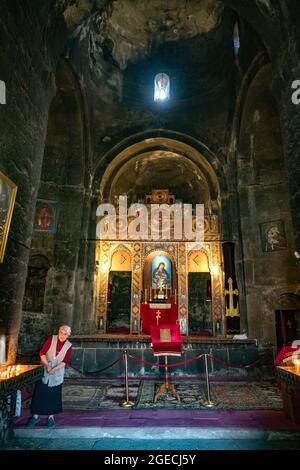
[(28, 68), (290, 124), (67, 243), (22, 142)]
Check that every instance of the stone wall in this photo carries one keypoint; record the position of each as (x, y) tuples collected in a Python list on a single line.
[(93, 355), (27, 67), (35, 329), (263, 197)]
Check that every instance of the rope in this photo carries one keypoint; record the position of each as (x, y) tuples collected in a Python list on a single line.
[(96, 371), (245, 366), (251, 364), (163, 365)]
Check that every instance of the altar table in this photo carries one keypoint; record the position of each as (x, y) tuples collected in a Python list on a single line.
[(157, 314)]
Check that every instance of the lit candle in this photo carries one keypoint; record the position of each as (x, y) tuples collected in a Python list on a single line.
[(297, 365)]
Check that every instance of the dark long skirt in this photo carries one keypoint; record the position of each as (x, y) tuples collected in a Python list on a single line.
[(46, 400)]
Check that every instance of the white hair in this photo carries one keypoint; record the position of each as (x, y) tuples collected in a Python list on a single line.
[(66, 328)]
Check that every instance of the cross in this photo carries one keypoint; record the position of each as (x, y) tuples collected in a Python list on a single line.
[(158, 316), (231, 311)]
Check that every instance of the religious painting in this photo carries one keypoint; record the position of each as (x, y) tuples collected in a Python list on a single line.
[(161, 272), (135, 326), (45, 216), (8, 191), (273, 236), (183, 326)]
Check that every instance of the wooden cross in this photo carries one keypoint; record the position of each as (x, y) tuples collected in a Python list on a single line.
[(231, 311), (158, 316)]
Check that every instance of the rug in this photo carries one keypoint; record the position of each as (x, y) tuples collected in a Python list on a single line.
[(94, 395)]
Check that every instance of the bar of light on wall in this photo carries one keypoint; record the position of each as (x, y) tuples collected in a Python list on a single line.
[(2, 92), (2, 349)]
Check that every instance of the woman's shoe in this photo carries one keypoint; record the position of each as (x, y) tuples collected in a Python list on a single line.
[(32, 422), (50, 423)]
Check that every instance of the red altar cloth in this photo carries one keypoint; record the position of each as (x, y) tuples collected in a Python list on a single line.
[(172, 347), (284, 357), (168, 314)]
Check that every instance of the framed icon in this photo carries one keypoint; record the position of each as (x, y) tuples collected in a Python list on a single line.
[(273, 236), (46, 216), (8, 191)]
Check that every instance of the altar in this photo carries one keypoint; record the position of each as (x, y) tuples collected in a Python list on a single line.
[(157, 314), (156, 279)]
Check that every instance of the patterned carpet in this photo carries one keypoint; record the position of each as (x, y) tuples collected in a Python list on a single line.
[(90, 395)]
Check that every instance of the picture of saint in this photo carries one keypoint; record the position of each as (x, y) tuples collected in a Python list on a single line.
[(4, 206), (273, 236), (45, 216), (161, 273), (8, 192)]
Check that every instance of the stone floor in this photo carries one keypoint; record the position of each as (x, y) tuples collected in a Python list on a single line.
[(127, 429), (123, 429)]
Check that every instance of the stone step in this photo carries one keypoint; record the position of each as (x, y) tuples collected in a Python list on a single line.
[(151, 433)]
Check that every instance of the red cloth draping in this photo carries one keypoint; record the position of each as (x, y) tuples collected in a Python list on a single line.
[(173, 346), (168, 314), (284, 357)]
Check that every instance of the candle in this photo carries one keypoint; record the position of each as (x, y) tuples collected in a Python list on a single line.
[(145, 296)]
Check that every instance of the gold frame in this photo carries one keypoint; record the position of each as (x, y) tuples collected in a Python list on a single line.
[(6, 223)]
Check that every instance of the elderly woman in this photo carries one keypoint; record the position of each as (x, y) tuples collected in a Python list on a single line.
[(47, 396)]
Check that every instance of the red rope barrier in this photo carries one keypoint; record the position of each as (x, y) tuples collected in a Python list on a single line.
[(96, 371), (163, 365), (252, 364)]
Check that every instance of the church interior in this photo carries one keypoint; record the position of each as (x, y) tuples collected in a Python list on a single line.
[(187, 104)]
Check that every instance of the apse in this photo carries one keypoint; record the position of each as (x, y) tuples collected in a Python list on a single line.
[(157, 170)]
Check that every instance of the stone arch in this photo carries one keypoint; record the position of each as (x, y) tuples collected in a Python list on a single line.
[(119, 290), (209, 164), (200, 261), (121, 259), (199, 283), (287, 301), (65, 174), (66, 150)]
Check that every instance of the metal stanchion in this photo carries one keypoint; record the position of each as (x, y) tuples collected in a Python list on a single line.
[(208, 403), (127, 403), (274, 355)]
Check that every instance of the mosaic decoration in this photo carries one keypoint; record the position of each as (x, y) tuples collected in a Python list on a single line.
[(135, 291), (218, 299), (182, 290), (179, 253)]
